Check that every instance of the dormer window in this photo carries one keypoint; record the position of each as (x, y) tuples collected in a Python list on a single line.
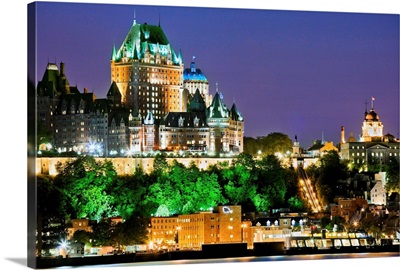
[(180, 122), (196, 121)]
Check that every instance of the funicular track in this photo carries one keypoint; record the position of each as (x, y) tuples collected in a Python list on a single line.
[(308, 190)]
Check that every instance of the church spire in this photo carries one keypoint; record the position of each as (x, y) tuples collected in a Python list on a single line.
[(114, 53), (134, 16)]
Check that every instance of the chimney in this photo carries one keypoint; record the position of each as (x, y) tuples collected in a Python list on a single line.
[(62, 69), (342, 137), (85, 90)]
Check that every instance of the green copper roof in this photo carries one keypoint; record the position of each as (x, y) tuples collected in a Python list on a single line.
[(145, 38), (217, 108), (197, 103)]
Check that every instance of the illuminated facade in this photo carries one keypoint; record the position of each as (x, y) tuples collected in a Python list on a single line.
[(75, 119), (372, 128), (193, 80), (148, 72), (372, 147), (226, 127), (151, 105), (191, 231), (163, 232), (347, 207)]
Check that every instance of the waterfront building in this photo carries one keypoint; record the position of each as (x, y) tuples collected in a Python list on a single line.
[(347, 207), (223, 224), (267, 229), (163, 232)]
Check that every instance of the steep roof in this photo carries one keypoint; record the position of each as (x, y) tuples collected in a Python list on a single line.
[(185, 120), (113, 90), (217, 108), (143, 38), (119, 115), (75, 99), (52, 84), (197, 103), (235, 114)]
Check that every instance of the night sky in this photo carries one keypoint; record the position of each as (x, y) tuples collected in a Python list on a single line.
[(303, 73)]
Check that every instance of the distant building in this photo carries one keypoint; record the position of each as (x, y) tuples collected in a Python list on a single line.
[(312, 154), (372, 147), (378, 193), (347, 207)]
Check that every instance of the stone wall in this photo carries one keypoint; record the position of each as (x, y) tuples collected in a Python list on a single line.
[(126, 166)]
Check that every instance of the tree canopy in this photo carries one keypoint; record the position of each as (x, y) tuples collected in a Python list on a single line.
[(275, 142)]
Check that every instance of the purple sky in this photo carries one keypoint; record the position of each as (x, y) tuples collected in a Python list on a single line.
[(297, 72)]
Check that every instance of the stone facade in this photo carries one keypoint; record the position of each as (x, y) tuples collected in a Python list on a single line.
[(127, 166)]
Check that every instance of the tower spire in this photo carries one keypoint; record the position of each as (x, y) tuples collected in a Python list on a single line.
[(372, 103), (216, 86), (134, 16)]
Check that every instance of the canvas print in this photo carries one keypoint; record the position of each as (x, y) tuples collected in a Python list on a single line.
[(178, 135)]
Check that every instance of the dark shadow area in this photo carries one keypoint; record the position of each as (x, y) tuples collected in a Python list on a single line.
[(20, 261)]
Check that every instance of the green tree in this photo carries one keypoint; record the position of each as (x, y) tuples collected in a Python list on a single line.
[(86, 185), (82, 237), (275, 142), (392, 169), (271, 183), (184, 190), (250, 146), (238, 181), (130, 232), (328, 176), (128, 192), (160, 164), (296, 204), (102, 233)]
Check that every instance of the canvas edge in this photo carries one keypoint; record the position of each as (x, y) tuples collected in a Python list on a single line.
[(31, 136)]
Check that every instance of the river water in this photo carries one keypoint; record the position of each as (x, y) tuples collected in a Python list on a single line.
[(354, 261)]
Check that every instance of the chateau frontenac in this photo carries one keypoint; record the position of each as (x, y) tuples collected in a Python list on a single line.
[(153, 104)]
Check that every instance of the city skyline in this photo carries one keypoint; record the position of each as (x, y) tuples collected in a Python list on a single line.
[(14, 255), (296, 72)]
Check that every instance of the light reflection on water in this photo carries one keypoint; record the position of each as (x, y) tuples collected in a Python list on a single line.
[(256, 259)]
